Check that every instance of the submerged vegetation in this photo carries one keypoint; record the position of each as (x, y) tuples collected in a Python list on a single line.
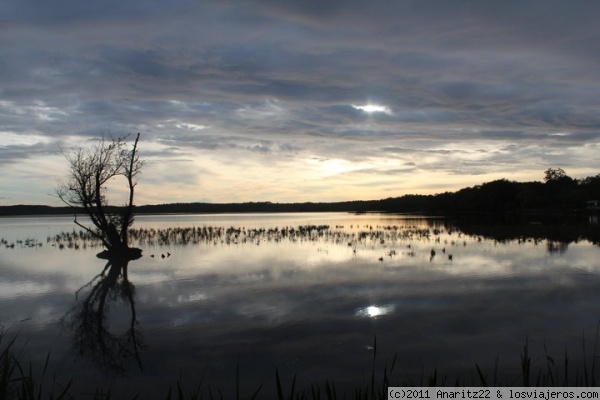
[(390, 238), (444, 232)]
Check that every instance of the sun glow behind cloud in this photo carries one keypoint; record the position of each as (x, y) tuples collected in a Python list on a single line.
[(332, 167), (373, 108)]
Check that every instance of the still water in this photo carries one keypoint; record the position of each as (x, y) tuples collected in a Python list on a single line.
[(307, 294)]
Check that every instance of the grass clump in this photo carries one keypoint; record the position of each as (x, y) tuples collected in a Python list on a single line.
[(19, 383)]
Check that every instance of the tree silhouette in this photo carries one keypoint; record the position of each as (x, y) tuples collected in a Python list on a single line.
[(552, 174), (90, 170)]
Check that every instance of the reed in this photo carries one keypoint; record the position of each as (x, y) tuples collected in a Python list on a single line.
[(385, 237), (18, 382)]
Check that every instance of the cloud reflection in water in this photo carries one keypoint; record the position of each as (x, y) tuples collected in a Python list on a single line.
[(375, 311), (319, 301)]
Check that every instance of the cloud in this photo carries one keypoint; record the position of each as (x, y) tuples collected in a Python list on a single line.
[(265, 80)]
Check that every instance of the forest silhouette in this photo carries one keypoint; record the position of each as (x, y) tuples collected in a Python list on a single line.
[(558, 193)]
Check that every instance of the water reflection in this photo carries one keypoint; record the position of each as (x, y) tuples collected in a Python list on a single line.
[(306, 294), (375, 311), (551, 229), (93, 332), (556, 247)]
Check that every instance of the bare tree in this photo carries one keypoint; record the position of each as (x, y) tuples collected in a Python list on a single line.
[(90, 170)]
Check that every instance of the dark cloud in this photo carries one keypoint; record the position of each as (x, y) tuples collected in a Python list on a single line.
[(15, 153), (72, 12)]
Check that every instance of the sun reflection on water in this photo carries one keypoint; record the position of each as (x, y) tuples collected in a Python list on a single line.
[(375, 311)]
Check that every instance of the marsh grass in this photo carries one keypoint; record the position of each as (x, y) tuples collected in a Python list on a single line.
[(18, 382)]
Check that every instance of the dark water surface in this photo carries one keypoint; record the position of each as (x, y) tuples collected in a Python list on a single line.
[(303, 293)]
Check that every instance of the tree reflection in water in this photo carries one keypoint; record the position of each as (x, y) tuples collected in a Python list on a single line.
[(557, 247), (89, 320)]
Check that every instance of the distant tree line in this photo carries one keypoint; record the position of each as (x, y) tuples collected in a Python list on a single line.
[(557, 193)]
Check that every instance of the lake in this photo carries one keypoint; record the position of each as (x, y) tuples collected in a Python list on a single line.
[(323, 296)]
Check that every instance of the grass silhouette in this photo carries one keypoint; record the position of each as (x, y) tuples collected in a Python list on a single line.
[(18, 382)]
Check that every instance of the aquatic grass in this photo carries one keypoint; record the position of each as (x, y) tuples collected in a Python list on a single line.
[(8, 368), (389, 239), (197, 393), (183, 236), (526, 363), (19, 383)]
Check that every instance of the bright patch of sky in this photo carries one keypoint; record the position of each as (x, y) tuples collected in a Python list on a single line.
[(373, 108)]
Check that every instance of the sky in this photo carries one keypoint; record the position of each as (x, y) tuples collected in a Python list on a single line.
[(293, 101)]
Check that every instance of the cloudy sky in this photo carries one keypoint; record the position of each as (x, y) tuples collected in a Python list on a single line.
[(285, 101)]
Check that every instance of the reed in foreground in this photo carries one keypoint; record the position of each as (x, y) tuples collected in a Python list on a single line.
[(20, 383)]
